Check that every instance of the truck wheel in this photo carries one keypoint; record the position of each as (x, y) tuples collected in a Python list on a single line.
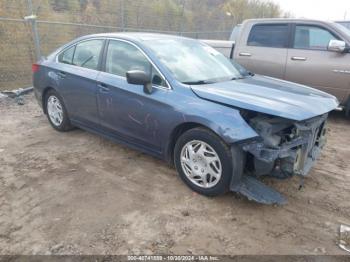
[(56, 112), (203, 162)]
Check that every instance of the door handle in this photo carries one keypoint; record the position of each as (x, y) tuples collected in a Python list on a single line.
[(103, 87), (298, 58), (62, 74), (245, 54)]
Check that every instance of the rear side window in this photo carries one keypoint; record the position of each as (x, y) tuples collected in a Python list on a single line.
[(66, 57), (273, 35), (87, 54), (312, 37)]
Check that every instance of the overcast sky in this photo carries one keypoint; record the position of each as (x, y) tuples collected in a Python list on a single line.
[(317, 9)]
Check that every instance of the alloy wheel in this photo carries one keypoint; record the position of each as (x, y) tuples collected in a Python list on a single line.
[(201, 164), (54, 110)]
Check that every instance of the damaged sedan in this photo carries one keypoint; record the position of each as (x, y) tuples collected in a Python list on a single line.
[(178, 99)]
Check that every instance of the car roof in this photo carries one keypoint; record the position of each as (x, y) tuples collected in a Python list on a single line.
[(290, 20), (136, 36)]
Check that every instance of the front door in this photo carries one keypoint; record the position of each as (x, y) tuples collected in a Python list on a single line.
[(125, 110), (310, 63)]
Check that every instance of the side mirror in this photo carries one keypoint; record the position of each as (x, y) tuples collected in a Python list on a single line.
[(337, 46), (137, 77)]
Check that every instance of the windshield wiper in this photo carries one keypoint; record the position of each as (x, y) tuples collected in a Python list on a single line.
[(237, 78), (199, 82), (243, 76)]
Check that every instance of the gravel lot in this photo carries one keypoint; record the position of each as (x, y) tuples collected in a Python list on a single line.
[(77, 193)]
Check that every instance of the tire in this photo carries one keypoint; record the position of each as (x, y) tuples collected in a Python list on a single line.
[(211, 142), (61, 122)]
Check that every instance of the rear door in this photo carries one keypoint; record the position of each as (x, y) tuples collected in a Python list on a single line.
[(77, 70), (262, 48), (310, 63)]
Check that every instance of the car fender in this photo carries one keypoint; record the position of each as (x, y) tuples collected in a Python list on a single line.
[(224, 121)]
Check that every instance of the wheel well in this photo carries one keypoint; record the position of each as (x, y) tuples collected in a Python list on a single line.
[(177, 132), (47, 89), (347, 107)]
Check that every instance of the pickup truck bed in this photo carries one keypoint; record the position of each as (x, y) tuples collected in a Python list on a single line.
[(224, 47)]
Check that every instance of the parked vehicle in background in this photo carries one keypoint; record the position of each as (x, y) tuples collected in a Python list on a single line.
[(183, 101), (344, 23), (235, 32), (309, 52), (223, 46)]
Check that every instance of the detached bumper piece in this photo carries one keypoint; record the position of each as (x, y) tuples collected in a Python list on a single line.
[(293, 156), (17, 93), (257, 191)]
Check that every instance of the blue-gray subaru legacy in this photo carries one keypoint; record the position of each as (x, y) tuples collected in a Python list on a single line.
[(180, 100)]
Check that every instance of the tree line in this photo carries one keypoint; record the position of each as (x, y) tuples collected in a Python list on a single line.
[(167, 15)]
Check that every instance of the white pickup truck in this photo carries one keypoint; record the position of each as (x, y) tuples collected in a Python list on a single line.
[(310, 52)]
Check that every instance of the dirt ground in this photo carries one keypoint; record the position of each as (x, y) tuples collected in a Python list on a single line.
[(77, 193)]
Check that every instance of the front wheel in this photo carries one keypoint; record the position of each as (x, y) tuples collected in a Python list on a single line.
[(203, 162)]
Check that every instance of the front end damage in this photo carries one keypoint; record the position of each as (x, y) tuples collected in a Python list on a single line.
[(283, 149)]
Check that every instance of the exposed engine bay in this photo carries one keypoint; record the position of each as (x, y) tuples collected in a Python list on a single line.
[(286, 147)]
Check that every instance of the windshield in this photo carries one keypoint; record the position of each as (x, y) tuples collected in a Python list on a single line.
[(192, 62)]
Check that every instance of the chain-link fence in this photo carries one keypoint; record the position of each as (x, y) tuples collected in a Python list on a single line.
[(29, 28)]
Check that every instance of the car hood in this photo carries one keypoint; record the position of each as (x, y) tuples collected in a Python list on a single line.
[(269, 95)]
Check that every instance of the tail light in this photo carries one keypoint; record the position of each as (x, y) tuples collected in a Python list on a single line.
[(35, 68)]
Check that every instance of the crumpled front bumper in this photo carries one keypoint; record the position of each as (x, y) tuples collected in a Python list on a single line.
[(295, 157)]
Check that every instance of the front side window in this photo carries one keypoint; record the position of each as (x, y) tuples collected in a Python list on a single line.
[(123, 57), (66, 57), (273, 35), (312, 37), (87, 54)]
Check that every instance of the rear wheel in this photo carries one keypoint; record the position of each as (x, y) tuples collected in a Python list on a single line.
[(56, 112), (203, 162)]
